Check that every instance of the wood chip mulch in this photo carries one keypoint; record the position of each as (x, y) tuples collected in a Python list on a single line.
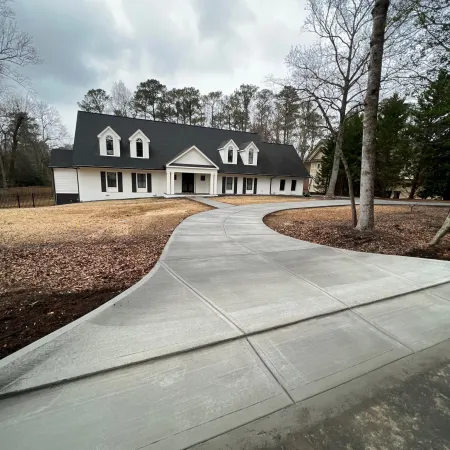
[(58, 264), (400, 230)]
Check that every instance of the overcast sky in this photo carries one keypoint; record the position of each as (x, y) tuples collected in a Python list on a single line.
[(208, 44)]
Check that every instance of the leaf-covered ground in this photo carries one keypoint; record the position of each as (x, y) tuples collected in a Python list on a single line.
[(400, 230), (58, 263)]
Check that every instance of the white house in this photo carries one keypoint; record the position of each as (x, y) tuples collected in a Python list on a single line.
[(120, 157)]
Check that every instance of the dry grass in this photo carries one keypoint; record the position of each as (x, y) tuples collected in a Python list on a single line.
[(81, 221), (255, 199)]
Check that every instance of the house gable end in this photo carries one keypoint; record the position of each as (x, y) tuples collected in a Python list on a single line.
[(192, 157)]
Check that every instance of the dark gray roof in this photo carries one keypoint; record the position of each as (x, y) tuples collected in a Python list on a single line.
[(168, 140), (61, 157), (244, 145)]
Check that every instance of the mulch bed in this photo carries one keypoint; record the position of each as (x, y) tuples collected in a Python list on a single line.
[(64, 281), (400, 230)]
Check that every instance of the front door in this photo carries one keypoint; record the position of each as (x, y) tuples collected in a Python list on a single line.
[(187, 183)]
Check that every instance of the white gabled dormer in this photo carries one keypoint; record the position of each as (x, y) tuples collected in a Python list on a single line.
[(249, 153), (228, 151), (109, 142), (139, 143)]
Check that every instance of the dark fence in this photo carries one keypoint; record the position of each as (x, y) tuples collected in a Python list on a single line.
[(26, 197)]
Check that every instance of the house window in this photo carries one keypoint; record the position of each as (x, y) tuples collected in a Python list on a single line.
[(202, 177), (250, 157), (139, 148), (293, 185), (230, 154), (282, 184), (142, 181), (175, 177), (249, 184), (111, 181), (229, 183), (109, 146)]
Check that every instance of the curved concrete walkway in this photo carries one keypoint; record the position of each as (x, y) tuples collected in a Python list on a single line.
[(235, 321)]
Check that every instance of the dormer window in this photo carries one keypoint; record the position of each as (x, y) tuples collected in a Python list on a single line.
[(109, 142), (139, 145), (109, 145), (228, 151), (249, 153), (230, 154), (139, 148)]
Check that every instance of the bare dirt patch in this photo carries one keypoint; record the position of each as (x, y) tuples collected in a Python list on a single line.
[(400, 230), (58, 263), (255, 199)]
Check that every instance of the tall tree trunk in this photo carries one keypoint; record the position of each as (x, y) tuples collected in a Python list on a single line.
[(3, 172), (14, 146), (336, 161), (442, 232), (351, 192), (368, 157)]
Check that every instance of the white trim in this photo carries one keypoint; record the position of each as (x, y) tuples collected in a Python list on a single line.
[(194, 147), (135, 135), (228, 143), (138, 189), (108, 130), (112, 189)]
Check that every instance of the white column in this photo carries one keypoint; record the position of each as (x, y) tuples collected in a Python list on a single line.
[(172, 182), (167, 182), (214, 183), (211, 184)]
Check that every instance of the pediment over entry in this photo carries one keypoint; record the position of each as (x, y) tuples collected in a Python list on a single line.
[(193, 157)]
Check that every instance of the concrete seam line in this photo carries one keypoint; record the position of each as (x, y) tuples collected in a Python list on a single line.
[(269, 370), (203, 298), (437, 295), (381, 330), (349, 308)]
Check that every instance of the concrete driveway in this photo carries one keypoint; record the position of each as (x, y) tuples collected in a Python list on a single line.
[(235, 322)]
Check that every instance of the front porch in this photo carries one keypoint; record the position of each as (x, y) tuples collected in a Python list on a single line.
[(191, 173), (191, 181)]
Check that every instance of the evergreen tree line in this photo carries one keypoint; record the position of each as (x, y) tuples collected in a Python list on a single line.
[(279, 117), (413, 145)]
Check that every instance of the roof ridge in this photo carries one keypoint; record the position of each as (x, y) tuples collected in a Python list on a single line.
[(163, 121)]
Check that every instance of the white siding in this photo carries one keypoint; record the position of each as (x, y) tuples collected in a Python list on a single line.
[(287, 188), (91, 188), (201, 187), (66, 181), (263, 186)]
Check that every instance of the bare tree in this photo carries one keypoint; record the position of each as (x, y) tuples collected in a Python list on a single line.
[(330, 72), (53, 132), (16, 47), (121, 99), (211, 104), (368, 158)]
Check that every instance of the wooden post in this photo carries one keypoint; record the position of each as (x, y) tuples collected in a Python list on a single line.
[(18, 199), (32, 199)]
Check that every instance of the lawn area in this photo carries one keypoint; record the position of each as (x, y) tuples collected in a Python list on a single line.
[(255, 199), (400, 230), (58, 263)]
